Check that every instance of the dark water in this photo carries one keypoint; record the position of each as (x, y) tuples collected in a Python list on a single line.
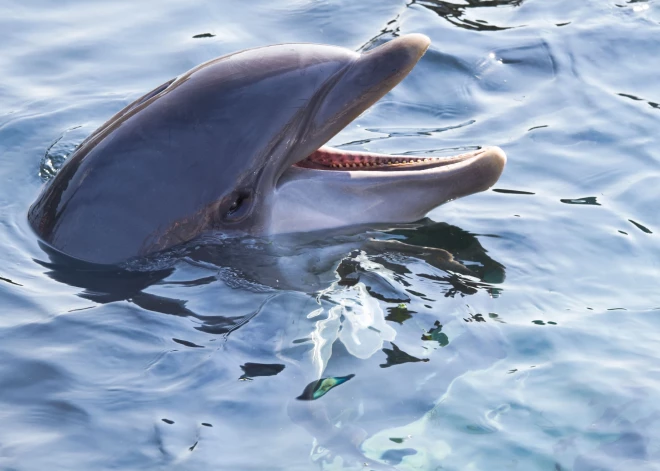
[(543, 356)]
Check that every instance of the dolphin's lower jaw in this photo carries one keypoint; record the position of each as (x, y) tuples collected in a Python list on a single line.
[(332, 188)]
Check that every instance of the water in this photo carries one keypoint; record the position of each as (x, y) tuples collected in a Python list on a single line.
[(543, 358)]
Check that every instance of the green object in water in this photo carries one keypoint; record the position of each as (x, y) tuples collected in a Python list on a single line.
[(319, 388)]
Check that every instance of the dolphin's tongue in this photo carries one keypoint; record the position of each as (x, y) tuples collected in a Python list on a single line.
[(329, 158)]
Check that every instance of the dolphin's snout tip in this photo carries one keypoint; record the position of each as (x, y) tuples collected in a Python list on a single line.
[(414, 45), (492, 160), (497, 155), (417, 41)]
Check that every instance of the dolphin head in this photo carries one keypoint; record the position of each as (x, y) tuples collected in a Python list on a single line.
[(236, 146)]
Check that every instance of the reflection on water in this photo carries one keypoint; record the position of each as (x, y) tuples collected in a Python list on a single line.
[(359, 285), (435, 334), (481, 270), (455, 252), (7, 280), (252, 370), (641, 227), (399, 314), (591, 200), (455, 12), (635, 98), (103, 284), (319, 388), (396, 356)]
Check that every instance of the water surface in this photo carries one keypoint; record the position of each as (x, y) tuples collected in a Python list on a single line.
[(338, 355)]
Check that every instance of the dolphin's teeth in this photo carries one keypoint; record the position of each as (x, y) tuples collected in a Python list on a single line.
[(374, 161)]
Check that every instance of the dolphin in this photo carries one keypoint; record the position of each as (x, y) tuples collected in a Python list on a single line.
[(235, 146)]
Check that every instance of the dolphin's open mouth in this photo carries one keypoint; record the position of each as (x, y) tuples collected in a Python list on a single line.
[(352, 186), (359, 86), (329, 158), (319, 187)]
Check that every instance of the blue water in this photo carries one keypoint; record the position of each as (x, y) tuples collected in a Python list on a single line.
[(545, 359)]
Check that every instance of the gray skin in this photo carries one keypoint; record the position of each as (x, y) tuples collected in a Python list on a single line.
[(235, 146)]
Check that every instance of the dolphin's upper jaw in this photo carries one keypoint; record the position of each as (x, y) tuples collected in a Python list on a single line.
[(369, 77), (364, 79)]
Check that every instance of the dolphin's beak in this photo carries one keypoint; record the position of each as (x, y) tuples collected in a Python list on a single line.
[(352, 187), (364, 79), (368, 79), (360, 85)]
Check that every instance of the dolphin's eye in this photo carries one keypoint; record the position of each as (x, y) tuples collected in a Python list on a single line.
[(235, 205), (239, 206)]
